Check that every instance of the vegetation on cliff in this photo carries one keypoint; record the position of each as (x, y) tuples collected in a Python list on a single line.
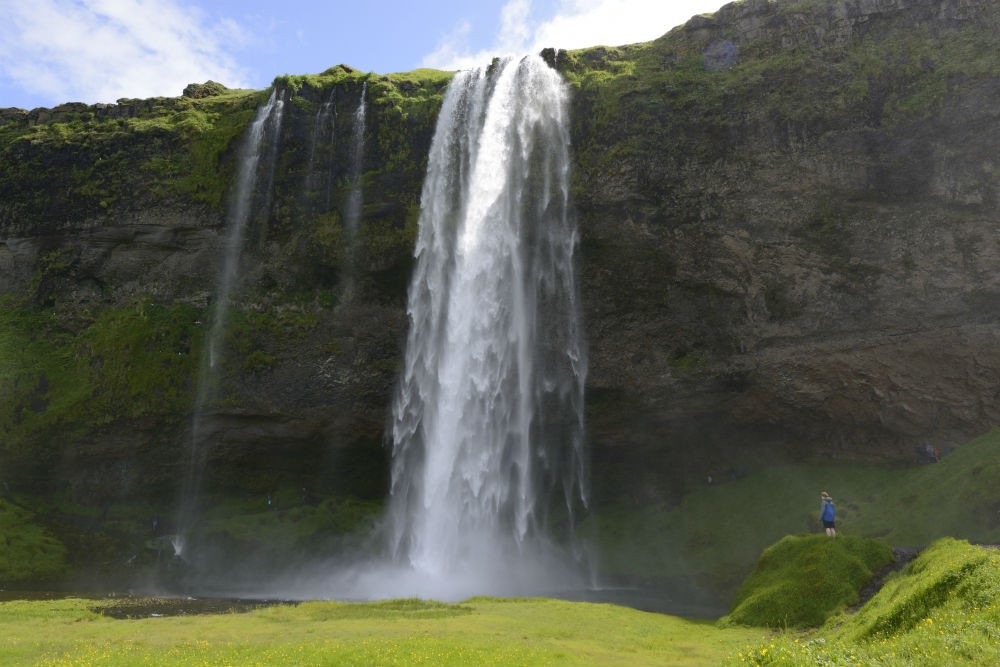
[(106, 158), (88, 349), (30, 552), (63, 377)]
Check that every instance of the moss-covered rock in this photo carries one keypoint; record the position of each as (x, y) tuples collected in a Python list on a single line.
[(30, 553), (804, 579)]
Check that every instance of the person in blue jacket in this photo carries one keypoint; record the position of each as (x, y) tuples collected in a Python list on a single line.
[(827, 514)]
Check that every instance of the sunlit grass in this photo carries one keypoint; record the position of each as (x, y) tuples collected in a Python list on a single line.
[(943, 609), (477, 632)]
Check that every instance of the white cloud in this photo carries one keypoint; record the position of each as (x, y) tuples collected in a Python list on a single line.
[(582, 23), (452, 51), (576, 24), (102, 50)]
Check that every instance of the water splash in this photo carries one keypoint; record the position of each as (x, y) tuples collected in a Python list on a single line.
[(261, 140), (487, 421)]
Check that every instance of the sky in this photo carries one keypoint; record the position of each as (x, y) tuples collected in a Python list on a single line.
[(55, 51)]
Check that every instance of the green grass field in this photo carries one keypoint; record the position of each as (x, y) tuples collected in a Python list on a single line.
[(942, 609), (404, 632)]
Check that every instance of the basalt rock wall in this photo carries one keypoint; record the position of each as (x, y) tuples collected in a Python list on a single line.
[(790, 216)]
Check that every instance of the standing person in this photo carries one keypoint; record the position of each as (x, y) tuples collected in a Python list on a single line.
[(827, 513)]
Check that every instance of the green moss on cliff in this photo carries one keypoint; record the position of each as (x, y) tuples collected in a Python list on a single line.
[(291, 528), (649, 118), (146, 151), (122, 364), (29, 552)]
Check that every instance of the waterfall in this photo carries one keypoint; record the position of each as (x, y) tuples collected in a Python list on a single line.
[(352, 211), (355, 196), (487, 421), (324, 126), (261, 139)]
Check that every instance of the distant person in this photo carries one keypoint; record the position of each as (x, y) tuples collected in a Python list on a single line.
[(827, 513)]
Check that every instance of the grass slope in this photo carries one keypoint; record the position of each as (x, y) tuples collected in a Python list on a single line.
[(402, 632), (716, 534), (942, 609), (803, 579)]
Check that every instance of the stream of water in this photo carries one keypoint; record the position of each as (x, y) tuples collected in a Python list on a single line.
[(488, 464), (261, 139)]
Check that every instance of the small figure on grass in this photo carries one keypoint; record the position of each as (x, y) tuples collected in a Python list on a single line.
[(827, 514)]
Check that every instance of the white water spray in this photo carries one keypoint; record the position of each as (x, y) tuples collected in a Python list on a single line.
[(487, 421)]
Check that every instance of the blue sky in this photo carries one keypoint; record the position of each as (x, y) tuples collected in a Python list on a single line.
[(55, 51)]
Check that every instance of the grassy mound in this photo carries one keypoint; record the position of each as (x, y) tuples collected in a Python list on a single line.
[(803, 579), (942, 609), (27, 551)]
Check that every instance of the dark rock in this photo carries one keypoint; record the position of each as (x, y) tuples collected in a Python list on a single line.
[(201, 90)]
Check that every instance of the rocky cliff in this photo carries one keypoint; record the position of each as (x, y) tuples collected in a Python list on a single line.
[(788, 217)]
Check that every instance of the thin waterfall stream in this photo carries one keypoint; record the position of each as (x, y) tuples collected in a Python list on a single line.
[(260, 141), (355, 196)]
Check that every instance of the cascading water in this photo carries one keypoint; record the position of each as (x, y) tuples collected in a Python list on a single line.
[(262, 133), (319, 181), (352, 211), (355, 196), (487, 421)]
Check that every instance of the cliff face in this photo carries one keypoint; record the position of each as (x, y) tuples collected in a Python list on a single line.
[(788, 214), (114, 221), (789, 217)]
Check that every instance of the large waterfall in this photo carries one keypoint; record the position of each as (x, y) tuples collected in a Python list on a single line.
[(487, 421)]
